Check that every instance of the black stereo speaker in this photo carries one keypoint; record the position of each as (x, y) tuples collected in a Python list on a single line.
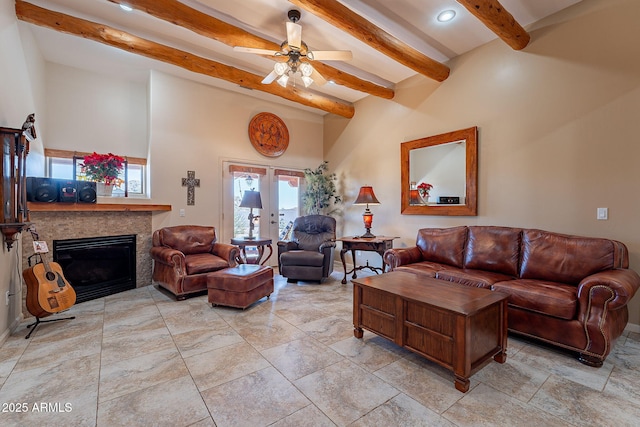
[(86, 192), (42, 189), (67, 191), (449, 200), (60, 190)]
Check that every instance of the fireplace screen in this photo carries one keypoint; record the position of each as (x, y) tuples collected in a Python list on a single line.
[(98, 266)]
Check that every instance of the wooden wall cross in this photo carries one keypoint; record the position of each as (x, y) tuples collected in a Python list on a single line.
[(191, 183)]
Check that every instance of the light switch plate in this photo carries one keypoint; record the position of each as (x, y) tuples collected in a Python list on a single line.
[(603, 213)]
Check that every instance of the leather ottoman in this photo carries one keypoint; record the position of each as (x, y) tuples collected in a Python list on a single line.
[(240, 286)]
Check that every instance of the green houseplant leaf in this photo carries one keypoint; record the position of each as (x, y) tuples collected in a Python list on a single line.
[(320, 196)]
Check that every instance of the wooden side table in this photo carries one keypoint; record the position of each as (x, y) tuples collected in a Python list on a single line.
[(259, 242), (377, 244)]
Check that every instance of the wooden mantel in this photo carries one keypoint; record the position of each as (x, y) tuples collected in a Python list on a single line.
[(95, 207)]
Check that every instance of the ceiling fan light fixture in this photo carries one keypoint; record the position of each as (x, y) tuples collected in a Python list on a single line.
[(307, 81), (306, 69), (280, 68), (446, 15), (282, 80)]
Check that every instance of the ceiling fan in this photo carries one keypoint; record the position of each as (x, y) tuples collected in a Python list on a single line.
[(298, 56)]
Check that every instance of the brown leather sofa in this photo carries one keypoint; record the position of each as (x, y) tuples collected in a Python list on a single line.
[(569, 291), (184, 256)]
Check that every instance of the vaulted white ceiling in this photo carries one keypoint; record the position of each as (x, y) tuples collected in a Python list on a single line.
[(411, 21)]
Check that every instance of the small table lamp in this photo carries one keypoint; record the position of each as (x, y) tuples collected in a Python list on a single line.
[(251, 199), (367, 197)]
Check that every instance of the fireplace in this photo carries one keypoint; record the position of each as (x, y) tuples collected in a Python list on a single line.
[(97, 266)]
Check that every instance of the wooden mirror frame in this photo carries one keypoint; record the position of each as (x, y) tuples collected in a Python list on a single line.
[(470, 208)]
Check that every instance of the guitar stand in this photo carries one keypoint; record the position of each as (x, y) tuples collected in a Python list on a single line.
[(38, 321)]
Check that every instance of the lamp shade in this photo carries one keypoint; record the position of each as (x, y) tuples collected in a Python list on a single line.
[(251, 199), (366, 196)]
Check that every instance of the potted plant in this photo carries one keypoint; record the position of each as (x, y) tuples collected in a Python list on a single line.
[(104, 170), (320, 197), (423, 189)]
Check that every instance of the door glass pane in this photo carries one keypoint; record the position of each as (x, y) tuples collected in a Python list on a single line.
[(288, 204), (243, 181)]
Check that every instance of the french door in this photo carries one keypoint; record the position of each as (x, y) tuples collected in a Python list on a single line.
[(279, 190)]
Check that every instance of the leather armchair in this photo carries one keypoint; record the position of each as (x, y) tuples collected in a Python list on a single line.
[(185, 255), (309, 254)]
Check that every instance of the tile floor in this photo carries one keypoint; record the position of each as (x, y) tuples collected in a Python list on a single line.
[(140, 358)]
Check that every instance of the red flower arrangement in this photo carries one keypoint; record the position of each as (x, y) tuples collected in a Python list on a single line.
[(424, 188), (103, 168)]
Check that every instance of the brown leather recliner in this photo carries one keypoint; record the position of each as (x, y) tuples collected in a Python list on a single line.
[(184, 256), (309, 253)]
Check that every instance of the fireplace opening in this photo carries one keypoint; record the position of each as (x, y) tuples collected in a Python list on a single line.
[(97, 266)]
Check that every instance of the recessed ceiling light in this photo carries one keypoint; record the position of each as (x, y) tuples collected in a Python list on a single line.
[(446, 15), (125, 7)]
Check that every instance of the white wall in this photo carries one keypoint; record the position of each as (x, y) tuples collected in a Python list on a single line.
[(196, 127), (557, 132), (89, 112), (21, 83)]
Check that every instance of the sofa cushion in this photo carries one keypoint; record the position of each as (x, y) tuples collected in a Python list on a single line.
[(188, 239), (546, 297), (474, 278), (204, 263), (493, 249), (426, 268), (442, 245), (302, 258), (562, 258)]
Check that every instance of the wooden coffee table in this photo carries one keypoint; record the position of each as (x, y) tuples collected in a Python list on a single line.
[(459, 327)]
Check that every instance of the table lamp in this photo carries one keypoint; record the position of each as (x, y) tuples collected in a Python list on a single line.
[(251, 199), (367, 197)]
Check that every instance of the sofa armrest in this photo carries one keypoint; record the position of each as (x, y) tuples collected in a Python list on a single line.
[(327, 244), (171, 257), (611, 288), (230, 253), (169, 268), (394, 258), (284, 246), (602, 309)]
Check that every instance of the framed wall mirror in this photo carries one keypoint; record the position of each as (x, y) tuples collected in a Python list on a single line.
[(439, 174)]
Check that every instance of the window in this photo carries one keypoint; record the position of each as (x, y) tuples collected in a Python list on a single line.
[(62, 164)]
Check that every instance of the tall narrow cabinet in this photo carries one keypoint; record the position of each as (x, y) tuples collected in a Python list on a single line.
[(13, 215)]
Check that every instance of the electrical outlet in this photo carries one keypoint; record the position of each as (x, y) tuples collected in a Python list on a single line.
[(603, 213), (6, 300)]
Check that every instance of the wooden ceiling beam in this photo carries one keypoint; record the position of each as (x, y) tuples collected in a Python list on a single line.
[(492, 14), (345, 19), (208, 26), (61, 22)]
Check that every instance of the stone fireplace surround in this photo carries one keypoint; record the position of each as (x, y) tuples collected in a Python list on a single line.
[(64, 224)]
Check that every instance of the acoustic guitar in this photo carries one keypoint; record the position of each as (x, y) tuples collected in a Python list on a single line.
[(48, 291)]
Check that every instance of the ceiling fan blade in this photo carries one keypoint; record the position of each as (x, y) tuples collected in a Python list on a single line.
[(269, 78), (330, 55), (317, 78), (294, 35), (254, 50)]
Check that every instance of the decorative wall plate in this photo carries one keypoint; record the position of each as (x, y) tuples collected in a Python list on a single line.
[(268, 134)]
